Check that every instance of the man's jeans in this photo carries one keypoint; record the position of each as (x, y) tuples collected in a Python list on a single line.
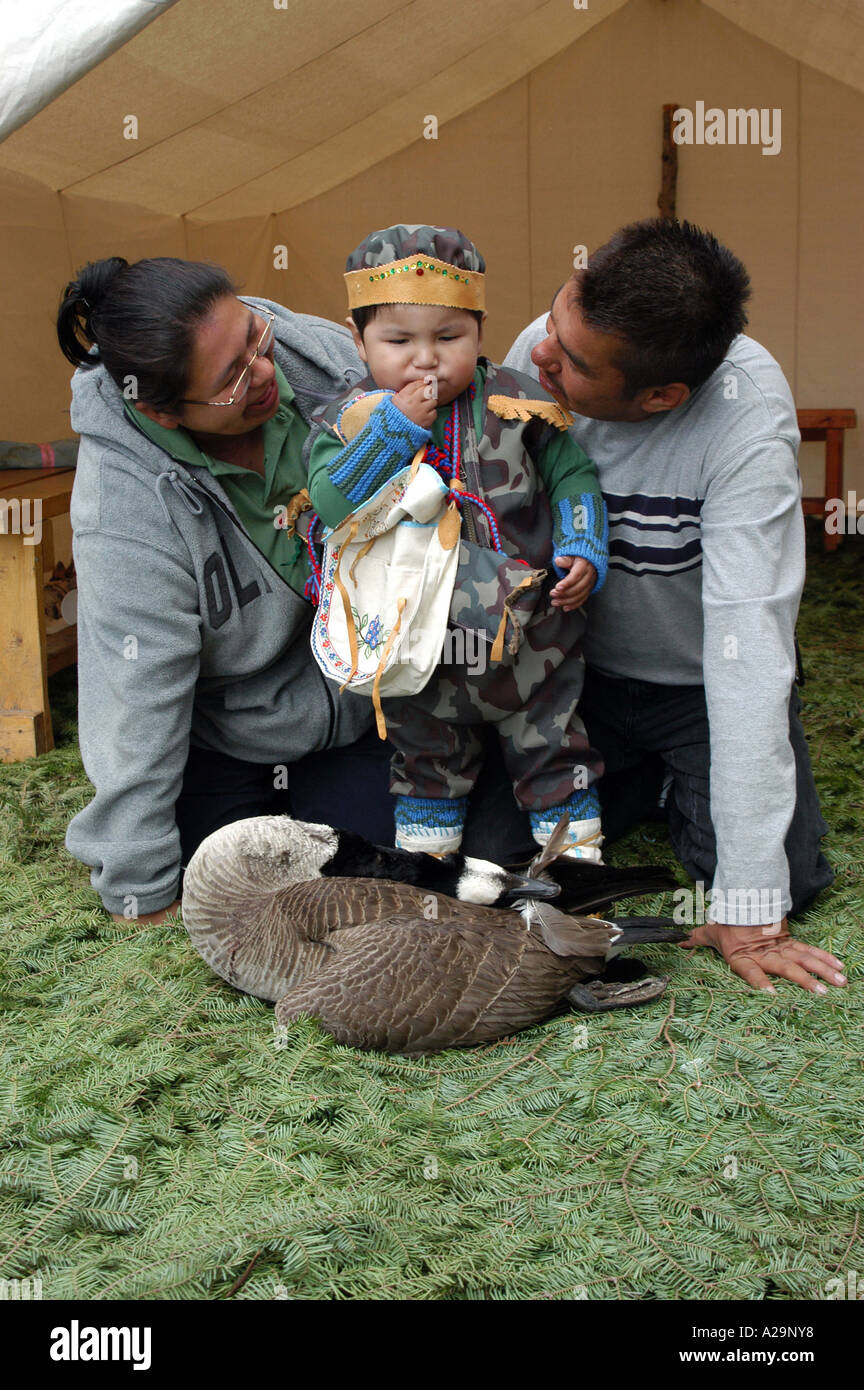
[(653, 735)]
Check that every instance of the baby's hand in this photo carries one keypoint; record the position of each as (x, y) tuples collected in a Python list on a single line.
[(416, 401), (572, 591)]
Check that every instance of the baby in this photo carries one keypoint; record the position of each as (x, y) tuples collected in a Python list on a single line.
[(529, 496)]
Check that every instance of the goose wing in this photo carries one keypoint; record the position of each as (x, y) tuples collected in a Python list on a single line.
[(410, 985)]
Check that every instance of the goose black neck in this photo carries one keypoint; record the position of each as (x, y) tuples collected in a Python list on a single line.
[(358, 858)]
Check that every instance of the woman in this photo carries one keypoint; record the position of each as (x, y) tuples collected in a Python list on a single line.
[(199, 701)]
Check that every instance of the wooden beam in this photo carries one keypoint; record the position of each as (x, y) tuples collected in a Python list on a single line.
[(827, 419), (669, 174), (61, 649), (51, 486), (25, 715), (827, 426)]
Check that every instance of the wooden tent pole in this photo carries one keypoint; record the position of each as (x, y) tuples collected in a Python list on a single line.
[(669, 177)]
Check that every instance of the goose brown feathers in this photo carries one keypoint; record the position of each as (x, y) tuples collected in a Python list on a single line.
[(409, 984)]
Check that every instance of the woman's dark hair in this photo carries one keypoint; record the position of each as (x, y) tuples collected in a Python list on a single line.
[(673, 293), (142, 320)]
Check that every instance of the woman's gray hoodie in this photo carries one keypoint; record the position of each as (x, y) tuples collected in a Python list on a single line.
[(185, 631)]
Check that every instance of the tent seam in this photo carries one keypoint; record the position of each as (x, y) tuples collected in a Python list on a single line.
[(528, 199), (798, 232), (62, 201)]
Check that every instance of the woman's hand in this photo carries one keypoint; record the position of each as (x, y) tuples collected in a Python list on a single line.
[(574, 588), (754, 953), (148, 919)]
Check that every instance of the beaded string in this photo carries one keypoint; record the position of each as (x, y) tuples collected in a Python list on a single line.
[(447, 463), (312, 587)]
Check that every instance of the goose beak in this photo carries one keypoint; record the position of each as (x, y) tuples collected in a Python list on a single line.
[(519, 886)]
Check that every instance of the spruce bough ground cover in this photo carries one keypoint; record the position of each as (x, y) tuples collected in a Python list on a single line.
[(160, 1139)]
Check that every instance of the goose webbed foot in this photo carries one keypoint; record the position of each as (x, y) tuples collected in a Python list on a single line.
[(598, 996)]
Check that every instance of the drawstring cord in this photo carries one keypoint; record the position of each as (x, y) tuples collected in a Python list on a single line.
[(183, 489), (380, 721)]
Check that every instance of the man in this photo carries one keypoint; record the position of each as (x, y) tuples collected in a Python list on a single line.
[(690, 647)]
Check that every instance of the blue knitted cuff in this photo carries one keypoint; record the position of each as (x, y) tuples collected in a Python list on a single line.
[(387, 443), (583, 804), (431, 825), (431, 813), (582, 531)]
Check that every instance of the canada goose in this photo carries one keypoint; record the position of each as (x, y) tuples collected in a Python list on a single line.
[(278, 908)]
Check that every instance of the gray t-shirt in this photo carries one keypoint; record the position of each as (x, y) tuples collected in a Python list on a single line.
[(706, 568)]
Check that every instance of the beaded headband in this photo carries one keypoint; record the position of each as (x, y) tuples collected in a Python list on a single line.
[(416, 280)]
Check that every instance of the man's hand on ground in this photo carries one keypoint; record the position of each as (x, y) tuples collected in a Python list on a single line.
[(147, 919), (754, 953), (572, 591)]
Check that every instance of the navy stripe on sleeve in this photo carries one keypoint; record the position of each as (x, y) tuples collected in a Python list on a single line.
[(638, 527)]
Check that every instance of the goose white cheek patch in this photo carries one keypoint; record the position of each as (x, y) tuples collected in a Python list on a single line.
[(480, 882)]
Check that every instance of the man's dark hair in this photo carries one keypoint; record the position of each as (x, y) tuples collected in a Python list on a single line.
[(142, 319), (673, 293), (367, 312)]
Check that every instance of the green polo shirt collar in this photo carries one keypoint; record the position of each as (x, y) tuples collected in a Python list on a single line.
[(180, 445)]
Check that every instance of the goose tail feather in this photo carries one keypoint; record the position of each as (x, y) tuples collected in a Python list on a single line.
[(642, 931), (587, 887)]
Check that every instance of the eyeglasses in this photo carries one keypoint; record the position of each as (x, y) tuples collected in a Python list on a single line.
[(241, 385)]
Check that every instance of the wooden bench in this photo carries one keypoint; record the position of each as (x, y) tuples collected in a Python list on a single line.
[(827, 426), (29, 498)]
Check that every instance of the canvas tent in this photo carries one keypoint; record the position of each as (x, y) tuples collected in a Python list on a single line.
[(270, 135)]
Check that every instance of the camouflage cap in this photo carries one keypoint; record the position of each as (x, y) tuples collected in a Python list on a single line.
[(446, 244), (416, 265)]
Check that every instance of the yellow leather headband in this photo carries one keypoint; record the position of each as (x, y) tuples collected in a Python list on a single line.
[(416, 280)]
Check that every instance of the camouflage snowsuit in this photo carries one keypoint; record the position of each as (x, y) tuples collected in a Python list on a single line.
[(531, 695)]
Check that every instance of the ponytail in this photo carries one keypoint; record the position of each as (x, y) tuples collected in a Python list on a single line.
[(80, 298)]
